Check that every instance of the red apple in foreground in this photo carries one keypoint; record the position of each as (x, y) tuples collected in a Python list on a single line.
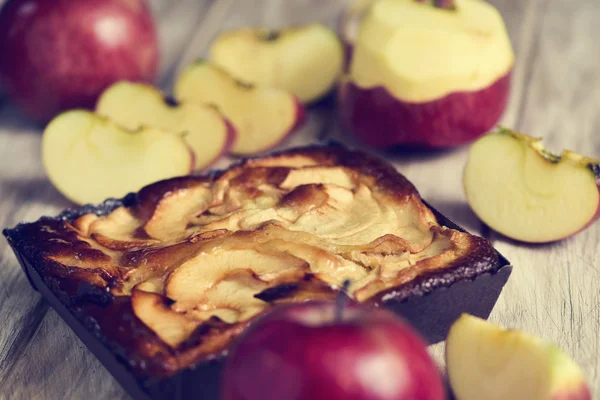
[(62, 54), (305, 351), (426, 75)]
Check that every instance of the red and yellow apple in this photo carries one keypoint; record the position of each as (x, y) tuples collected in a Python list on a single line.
[(305, 60), (306, 352), (89, 158), (61, 54), (485, 361), (521, 190), (262, 116), (425, 75), (134, 105)]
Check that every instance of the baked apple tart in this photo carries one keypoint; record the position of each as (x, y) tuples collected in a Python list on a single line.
[(177, 271)]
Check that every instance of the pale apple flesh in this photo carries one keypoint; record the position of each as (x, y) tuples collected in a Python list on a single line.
[(381, 120), (305, 60), (205, 130), (263, 117), (487, 362), (519, 189), (89, 158)]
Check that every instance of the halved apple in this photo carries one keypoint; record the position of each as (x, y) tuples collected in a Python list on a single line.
[(134, 105), (88, 158), (304, 60), (263, 117), (426, 75), (487, 362), (521, 190)]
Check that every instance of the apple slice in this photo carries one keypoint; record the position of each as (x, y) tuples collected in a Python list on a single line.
[(487, 362), (263, 117), (523, 191), (89, 158), (305, 60), (134, 105)]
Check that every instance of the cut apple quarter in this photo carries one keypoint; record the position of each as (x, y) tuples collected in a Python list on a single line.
[(89, 158), (487, 362), (304, 60), (262, 116), (521, 190), (134, 105)]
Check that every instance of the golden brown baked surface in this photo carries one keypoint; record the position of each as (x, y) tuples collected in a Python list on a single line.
[(193, 260)]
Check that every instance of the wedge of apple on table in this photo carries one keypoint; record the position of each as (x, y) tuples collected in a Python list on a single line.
[(305, 60), (425, 74), (262, 116), (485, 361), (88, 158), (133, 105), (521, 190)]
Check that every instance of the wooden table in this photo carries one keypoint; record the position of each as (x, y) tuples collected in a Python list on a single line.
[(554, 289)]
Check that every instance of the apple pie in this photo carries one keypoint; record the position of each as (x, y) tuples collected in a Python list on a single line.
[(171, 275)]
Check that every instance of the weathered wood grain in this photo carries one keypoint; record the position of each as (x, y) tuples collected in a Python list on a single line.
[(555, 93), (554, 291)]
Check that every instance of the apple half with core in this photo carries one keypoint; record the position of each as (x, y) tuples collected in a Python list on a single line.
[(262, 116), (134, 105), (317, 350), (524, 192), (88, 158), (426, 75), (305, 60), (61, 54), (487, 362)]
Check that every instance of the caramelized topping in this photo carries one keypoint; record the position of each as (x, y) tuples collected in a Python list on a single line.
[(290, 227)]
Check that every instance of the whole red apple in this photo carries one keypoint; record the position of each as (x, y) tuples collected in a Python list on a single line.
[(61, 54), (305, 351)]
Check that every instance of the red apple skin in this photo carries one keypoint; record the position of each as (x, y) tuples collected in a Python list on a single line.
[(381, 120), (582, 393), (61, 54), (369, 355)]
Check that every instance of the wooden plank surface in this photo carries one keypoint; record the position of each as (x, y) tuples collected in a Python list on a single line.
[(555, 93)]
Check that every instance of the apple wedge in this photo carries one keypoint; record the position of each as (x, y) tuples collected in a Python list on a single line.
[(521, 190), (304, 60), (88, 158), (487, 362), (263, 117), (134, 105)]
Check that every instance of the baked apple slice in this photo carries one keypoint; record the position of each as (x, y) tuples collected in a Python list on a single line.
[(88, 158), (487, 362), (263, 117), (521, 190), (134, 105), (304, 60)]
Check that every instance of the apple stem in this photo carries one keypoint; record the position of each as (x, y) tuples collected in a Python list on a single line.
[(270, 35), (341, 301), (443, 4)]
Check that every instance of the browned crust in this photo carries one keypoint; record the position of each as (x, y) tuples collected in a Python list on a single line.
[(111, 318)]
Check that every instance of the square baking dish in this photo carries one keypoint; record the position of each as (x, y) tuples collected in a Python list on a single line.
[(430, 303)]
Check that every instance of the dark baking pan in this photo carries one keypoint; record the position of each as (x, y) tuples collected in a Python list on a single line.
[(431, 305)]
